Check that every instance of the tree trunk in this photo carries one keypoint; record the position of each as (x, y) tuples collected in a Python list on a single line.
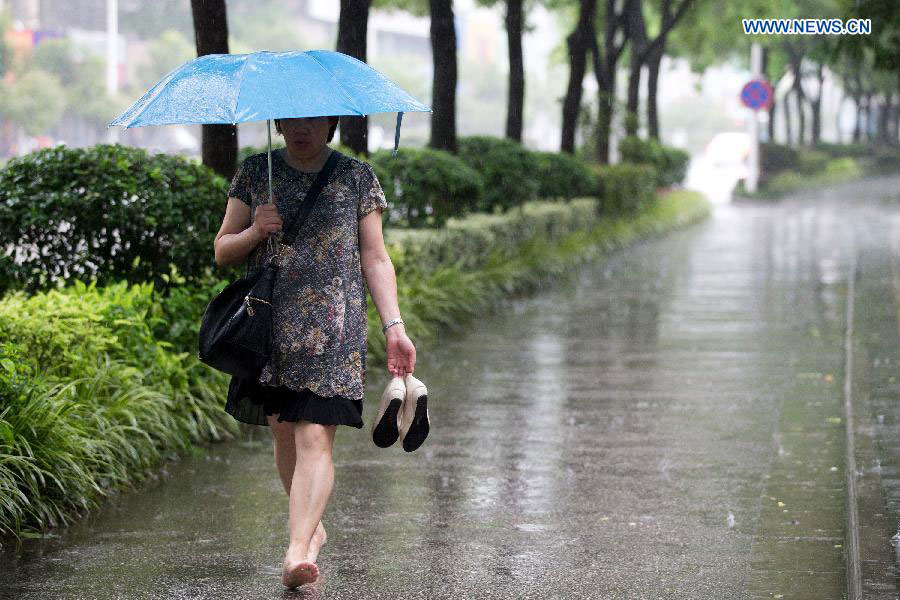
[(632, 121), (578, 43), (867, 121), (220, 143), (815, 105), (443, 96), (653, 62), (859, 117), (771, 124), (604, 66), (788, 128), (766, 63), (801, 117), (516, 94), (351, 40), (884, 110)]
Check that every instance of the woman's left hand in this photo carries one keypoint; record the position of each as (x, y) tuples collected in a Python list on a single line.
[(401, 354)]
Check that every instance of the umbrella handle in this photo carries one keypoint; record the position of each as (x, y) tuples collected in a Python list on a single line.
[(269, 241)]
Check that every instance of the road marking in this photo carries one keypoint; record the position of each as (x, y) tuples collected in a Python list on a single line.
[(854, 580)]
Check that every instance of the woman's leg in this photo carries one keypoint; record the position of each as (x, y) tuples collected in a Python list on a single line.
[(310, 489), (285, 447), (285, 450)]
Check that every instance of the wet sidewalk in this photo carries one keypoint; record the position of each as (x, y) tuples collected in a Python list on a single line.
[(667, 423)]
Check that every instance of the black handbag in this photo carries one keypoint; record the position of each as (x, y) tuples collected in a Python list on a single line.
[(236, 330)]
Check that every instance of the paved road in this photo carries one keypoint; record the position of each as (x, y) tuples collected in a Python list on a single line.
[(667, 423)]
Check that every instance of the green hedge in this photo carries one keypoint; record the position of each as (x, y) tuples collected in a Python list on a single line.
[(108, 211), (425, 187), (670, 164), (507, 170), (561, 175), (774, 158), (625, 187), (551, 238)]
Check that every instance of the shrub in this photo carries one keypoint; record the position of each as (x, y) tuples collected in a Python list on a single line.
[(561, 175), (774, 158), (844, 150), (885, 160), (842, 168), (425, 187), (670, 163), (811, 162), (625, 187), (507, 169), (107, 212), (785, 183)]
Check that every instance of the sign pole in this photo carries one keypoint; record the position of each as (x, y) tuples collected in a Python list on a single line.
[(753, 171)]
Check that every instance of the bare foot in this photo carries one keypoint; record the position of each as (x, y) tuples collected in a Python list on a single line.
[(315, 544), (300, 573), (297, 570)]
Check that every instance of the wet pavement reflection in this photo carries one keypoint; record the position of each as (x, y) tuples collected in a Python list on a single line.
[(665, 423)]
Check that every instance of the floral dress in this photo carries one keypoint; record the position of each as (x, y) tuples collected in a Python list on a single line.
[(320, 319)]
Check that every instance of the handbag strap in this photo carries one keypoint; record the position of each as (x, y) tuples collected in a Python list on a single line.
[(311, 196)]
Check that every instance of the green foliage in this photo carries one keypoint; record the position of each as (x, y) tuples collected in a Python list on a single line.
[(109, 212), (109, 403), (168, 51), (670, 163), (812, 162), (561, 175), (34, 100), (524, 249), (844, 150), (626, 187), (885, 159), (507, 170), (469, 240), (774, 158), (426, 186)]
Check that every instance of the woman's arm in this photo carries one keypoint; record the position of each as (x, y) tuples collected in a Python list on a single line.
[(237, 237), (382, 282)]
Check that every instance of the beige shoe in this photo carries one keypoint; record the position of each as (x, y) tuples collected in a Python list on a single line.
[(386, 426), (414, 419)]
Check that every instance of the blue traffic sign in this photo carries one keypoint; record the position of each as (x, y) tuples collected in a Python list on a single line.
[(757, 94)]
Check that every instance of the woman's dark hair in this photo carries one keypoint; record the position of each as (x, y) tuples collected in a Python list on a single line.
[(334, 124)]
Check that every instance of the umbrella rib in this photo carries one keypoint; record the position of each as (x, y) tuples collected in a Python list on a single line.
[(237, 97), (338, 84)]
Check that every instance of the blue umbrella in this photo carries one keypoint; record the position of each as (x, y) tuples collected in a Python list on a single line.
[(237, 88)]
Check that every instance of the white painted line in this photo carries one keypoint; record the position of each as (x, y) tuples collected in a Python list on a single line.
[(854, 578)]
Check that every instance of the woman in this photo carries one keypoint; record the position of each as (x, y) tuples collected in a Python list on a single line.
[(315, 379)]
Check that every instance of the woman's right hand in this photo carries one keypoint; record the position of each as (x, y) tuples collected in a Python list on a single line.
[(267, 220)]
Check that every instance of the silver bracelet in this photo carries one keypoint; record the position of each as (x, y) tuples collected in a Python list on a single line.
[(391, 323)]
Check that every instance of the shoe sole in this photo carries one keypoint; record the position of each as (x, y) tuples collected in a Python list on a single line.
[(420, 427), (386, 431)]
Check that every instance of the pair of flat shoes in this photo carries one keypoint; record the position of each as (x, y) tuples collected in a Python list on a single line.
[(402, 414)]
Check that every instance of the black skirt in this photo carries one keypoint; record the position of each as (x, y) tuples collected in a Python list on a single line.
[(250, 402)]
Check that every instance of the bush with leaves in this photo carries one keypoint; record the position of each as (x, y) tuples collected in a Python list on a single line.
[(507, 169), (561, 175), (425, 187), (812, 162), (774, 158), (109, 212), (626, 187), (670, 163)]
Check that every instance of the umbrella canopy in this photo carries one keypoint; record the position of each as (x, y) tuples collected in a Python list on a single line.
[(236, 88), (261, 86)]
